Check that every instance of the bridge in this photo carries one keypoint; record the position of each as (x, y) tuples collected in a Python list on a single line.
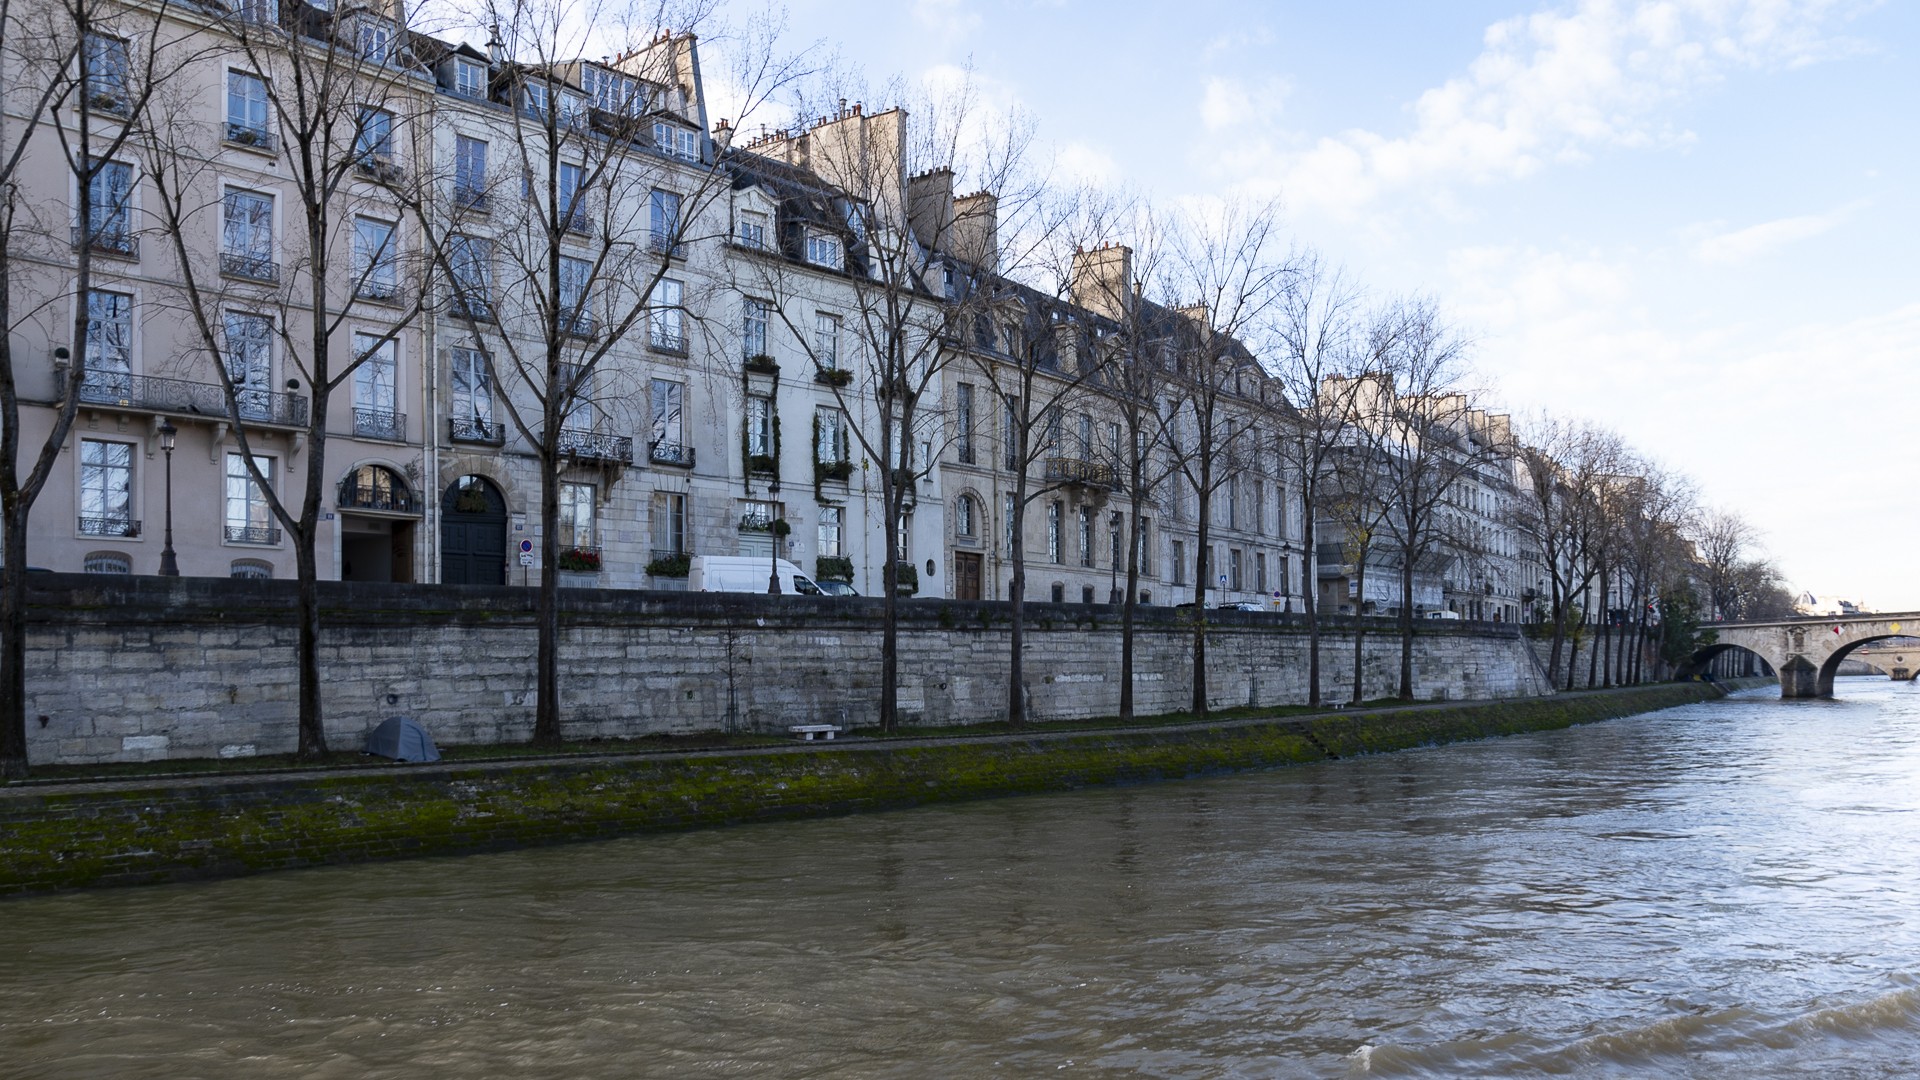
[(1897, 660), (1806, 653)]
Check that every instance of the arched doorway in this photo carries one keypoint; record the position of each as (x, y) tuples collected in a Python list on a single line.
[(377, 514), (473, 533)]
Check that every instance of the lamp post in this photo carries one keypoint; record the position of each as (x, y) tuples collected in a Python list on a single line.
[(169, 567), (773, 533)]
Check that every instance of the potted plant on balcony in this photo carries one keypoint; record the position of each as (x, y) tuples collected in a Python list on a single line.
[(833, 568), (832, 470), (827, 376), (579, 561), (677, 565), (762, 364)]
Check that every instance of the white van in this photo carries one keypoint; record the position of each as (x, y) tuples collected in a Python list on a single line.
[(746, 574)]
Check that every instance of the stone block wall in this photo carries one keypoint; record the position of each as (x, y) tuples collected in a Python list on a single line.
[(136, 668)]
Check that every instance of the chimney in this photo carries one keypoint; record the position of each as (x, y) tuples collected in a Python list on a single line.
[(1101, 278), (930, 206), (975, 235)]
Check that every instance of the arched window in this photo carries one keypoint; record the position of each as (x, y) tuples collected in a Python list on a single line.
[(253, 569), (376, 487), (108, 562), (966, 517)]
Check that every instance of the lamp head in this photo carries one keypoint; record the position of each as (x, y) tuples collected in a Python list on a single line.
[(167, 432)]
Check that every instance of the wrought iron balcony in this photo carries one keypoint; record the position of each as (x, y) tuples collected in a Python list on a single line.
[(472, 429), (1080, 472), (107, 238), (250, 267), (149, 393), (584, 445), (382, 497), (470, 198), (380, 292), (380, 424), (670, 453), (580, 324), (577, 223), (477, 308), (662, 244), (667, 342), (254, 138), (380, 169), (109, 525), (253, 534)]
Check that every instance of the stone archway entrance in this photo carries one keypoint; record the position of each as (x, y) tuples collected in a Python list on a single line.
[(473, 533)]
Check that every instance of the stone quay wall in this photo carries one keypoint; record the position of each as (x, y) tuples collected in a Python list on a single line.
[(145, 668), (67, 836)]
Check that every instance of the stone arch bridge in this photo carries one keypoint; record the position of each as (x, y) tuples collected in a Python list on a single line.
[(1805, 653)]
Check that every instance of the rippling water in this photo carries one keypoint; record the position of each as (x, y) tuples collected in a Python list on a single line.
[(1721, 890)]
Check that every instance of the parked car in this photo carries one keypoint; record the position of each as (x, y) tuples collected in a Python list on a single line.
[(747, 574), (837, 588), (1241, 605)]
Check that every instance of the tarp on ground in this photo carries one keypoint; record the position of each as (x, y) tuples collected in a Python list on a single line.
[(402, 740)]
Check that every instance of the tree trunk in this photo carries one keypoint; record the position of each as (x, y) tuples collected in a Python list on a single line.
[(1017, 603), (13, 644), (1359, 628), (1132, 596), (1406, 625), (546, 715), (1198, 704), (1308, 589)]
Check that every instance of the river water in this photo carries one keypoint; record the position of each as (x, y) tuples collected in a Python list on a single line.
[(1728, 889)]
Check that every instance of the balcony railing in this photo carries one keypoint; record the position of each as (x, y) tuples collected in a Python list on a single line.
[(380, 292), (580, 324), (109, 526), (470, 198), (667, 342), (670, 453), (354, 496), (594, 446), (381, 170), (380, 424), (254, 138), (1080, 471), (470, 307), (108, 238), (150, 393), (472, 429), (577, 223), (240, 264), (253, 534)]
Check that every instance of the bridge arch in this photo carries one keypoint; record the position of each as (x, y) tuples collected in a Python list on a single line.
[(1805, 653)]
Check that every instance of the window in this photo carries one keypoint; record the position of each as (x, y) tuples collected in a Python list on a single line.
[(534, 100), (246, 236), (753, 328), (1179, 550), (1144, 530), (676, 141), (1011, 438), (669, 523), (470, 272), (829, 531), (108, 65), (1233, 502), (249, 520), (109, 348), (1053, 531), (374, 389), (576, 275), (666, 431), (264, 12), (469, 172), (1234, 579), (469, 78), (830, 437), (107, 562), (903, 537), (1086, 536), (664, 219), (824, 250), (1260, 571), (576, 516), (963, 518), (963, 422), (758, 515), (612, 92), (1006, 520), (247, 110), (251, 569), (375, 39), (375, 276), (1086, 437), (826, 340), (373, 138), (666, 327), (1115, 557), (753, 231), (572, 208), (759, 426), (472, 395), (577, 410), (249, 349), (573, 110), (1260, 508), (106, 489), (110, 208)]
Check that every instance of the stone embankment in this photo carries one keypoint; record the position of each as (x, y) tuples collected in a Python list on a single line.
[(133, 832)]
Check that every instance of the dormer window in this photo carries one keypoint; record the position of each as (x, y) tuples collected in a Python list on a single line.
[(613, 93), (374, 39), (824, 249), (469, 78), (753, 231), (534, 99), (676, 141), (573, 110)]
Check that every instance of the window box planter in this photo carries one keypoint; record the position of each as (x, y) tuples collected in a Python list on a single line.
[(578, 561), (906, 578), (832, 470), (677, 565), (762, 463), (833, 568), (833, 377), (762, 364)]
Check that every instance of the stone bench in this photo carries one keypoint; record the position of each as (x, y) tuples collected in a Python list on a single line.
[(806, 732)]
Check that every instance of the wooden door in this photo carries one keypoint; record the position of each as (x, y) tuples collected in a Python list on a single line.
[(966, 576)]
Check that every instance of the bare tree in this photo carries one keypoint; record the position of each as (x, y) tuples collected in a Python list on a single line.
[(874, 200), (1724, 542), (1230, 285), (73, 74)]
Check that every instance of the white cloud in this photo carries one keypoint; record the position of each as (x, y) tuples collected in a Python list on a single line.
[(952, 18), (1231, 103), (1549, 88), (1087, 164), (1744, 245)]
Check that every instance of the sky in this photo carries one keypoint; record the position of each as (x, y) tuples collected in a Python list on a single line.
[(1690, 221)]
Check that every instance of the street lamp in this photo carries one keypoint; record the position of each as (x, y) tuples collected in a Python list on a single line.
[(169, 567), (773, 533)]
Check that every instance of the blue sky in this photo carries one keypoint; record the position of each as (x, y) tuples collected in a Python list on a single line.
[(1690, 221)]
